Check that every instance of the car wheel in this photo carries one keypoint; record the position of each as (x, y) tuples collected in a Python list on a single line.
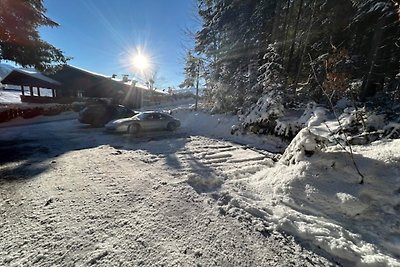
[(133, 129), (171, 126)]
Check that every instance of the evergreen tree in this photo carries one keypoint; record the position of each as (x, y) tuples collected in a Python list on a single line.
[(19, 37), (316, 43), (191, 70)]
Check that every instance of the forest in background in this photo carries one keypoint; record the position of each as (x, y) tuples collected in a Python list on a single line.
[(297, 51)]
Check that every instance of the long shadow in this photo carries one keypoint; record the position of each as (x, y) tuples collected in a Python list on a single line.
[(200, 177), (206, 179), (27, 151)]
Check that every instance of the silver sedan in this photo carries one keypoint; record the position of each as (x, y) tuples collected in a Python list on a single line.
[(144, 121)]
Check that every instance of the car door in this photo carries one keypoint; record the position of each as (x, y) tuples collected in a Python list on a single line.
[(154, 121), (163, 121), (145, 121)]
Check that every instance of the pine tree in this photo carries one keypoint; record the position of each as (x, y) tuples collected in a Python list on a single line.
[(191, 70), (342, 41), (19, 37)]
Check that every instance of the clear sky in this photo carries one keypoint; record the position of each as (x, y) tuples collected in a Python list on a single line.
[(103, 36)]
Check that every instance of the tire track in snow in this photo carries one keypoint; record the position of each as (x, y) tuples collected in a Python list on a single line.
[(208, 163)]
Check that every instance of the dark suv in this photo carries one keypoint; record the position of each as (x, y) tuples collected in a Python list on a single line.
[(98, 115)]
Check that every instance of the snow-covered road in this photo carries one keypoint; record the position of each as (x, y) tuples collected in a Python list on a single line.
[(71, 195)]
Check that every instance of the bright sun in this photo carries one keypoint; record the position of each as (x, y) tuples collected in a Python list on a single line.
[(140, 62)]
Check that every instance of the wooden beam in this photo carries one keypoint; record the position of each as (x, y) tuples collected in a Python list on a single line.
[(38, 91), (22, 90), (53, 92), (31, 90)]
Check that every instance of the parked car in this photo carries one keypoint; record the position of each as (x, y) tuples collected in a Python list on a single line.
[(144, 121), (99, 114)]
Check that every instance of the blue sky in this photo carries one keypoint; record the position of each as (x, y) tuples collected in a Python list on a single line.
[(102, 36)]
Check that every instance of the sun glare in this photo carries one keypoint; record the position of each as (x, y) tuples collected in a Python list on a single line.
[(141, 62)]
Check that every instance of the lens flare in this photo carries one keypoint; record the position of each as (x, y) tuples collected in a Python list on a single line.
[(141, 62)]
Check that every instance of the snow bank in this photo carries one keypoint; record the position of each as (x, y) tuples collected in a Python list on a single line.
[(319, 199)]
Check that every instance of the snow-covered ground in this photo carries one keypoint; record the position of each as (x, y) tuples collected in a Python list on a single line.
[(73, 195)]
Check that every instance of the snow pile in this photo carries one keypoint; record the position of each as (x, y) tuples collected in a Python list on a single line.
[(318, 198)]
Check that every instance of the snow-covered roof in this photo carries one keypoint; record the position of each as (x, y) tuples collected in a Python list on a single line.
[(89, 72), (29, 77)]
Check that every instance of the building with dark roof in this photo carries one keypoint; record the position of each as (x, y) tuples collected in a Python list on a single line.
[(71, 83)]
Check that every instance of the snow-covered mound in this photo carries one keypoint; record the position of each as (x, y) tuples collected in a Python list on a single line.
[(319, 198)]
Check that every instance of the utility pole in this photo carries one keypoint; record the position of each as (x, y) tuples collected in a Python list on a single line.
[(197, 84)]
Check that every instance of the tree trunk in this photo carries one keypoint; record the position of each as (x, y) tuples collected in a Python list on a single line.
[(299, 67), (197, 84), (296, 27), (285, 30), (369, 86), (275, 24)]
